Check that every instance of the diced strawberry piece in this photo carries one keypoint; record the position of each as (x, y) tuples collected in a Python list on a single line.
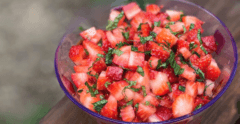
[(184, 104), (114, 72), (136, 119), (170, 73), (188, 73), (117, 32), (145, 28), (191, 89), (174, 15), (137, 98), (105, 43), (131, 32), (97, 37), (77, 53), (151, 98), (102, 79), (116, 89), (128, 94), (89, 33), (209, 44), (100, 65), (201, 87), (185, 52), (127, 114), (145, 111), (87, 100), (213, 71), (199, 51), (135, 59), (111, 38), (188, 20), (175, 91), (157, 30), (164, 113), (137, 20), (201, 100), (153, 62), (177, 27), (166, 36), (182, 43), (79, 78), (153, 8), (192, 35), (80, 69), (166, 102), (160, 17), (128, 75), (131, 10), (202, 63), (159, 85), (86, 62), (123, 59), (68, 85), (114, 14), (209, 88), (154, 118), (110, 108), (93, 49), (160, 52)]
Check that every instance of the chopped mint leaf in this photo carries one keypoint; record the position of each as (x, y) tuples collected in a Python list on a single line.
[(150, 63), (87, 53), (119, 45), (191, 26), (182, 59), (157, 24), (108, 58), (153, 34), (177, 69), (79, 91), (194, 52), (129, 103), (204, 50), (90, 89), (184, 29), (169, 86), (113, 24), (182, 88), (181, 16), (140, 70), (158, 97), (192, 45), (100, 55), (101, 96), (198, 71), (144, 91), (117, 52), (199, 36), (106, 84), (139, 26), (143, 40), (126, 35), (147, 103), (136, 106), (131, 83), (198, 107), (99, 105), (96, 75), (100, 43), (147, 52), (134, 48), (168, 18), (135, 89)]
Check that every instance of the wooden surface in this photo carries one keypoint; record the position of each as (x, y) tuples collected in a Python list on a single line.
[(225, 110)]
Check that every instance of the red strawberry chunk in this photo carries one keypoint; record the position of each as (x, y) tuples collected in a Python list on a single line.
[(175, 91), (191, 89), (114, 72), (157, 30), (81, 69), (89, 33), (201, 87), (136, 119), (210, 85), (170, 73), (160, 52), (153, 62), (111, 38), (68, 85), (159, 85), (184, 104), (188, 20), (79, 78), (87, 100), (164, 113), (105, 43), (145, 111), (209, 44), (117, 32), (116, 89), (97, 37), (177, 27), (153, 8), (166, 102), (182, 43), (127, 114), (114, 14), (110, 108), (145, 29), (201, 100), (174, 15), (131, 33), (199, 51), (131, 10), (128, 75), (128, 94), (137, 98), (166, 36), (202, 63), (123, 59), (188, 73), (160, 17), (137, 20), (213, 71), (93, 49), (191, 35), (99, 66), (185, 52), (102, 79), (154, 118), (76, 54), (151, 98), (135, 59)]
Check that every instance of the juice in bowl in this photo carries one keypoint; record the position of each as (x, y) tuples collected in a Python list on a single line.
[(164, 64)]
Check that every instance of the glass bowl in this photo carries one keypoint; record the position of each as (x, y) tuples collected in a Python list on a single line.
[(226, 55)]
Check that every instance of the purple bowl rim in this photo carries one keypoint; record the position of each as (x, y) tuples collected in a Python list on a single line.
[(163, 122)]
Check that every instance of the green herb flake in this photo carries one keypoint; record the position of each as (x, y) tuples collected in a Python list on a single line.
[(198, 71), (192, 45), (153, 34), (177, 69), (143, 40), (120, 44), (140, 70), (96, 75), (106, 84), (108, 59), (101, 96), (182, 88), (99, 105), (135, 89), (79, 91), (147, 103), (194, 52), (144, 91), (198, 107), (113, 24), (126, 35), (136, 106), (81, 28), (131, 83), (158, 97), (147, 52), (168, 18), (139, 26), (100, 55), (157, 24), (182, 59), (134, 48), (87, 53), (100, 43), (204, 50), (90, 89), (150, 63), (129, 103), (117, 52), (181, 16), (169, 86), (199, 36), (191, 26), (184, 29)]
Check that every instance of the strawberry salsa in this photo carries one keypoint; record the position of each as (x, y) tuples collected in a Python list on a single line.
[(147, 66)]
